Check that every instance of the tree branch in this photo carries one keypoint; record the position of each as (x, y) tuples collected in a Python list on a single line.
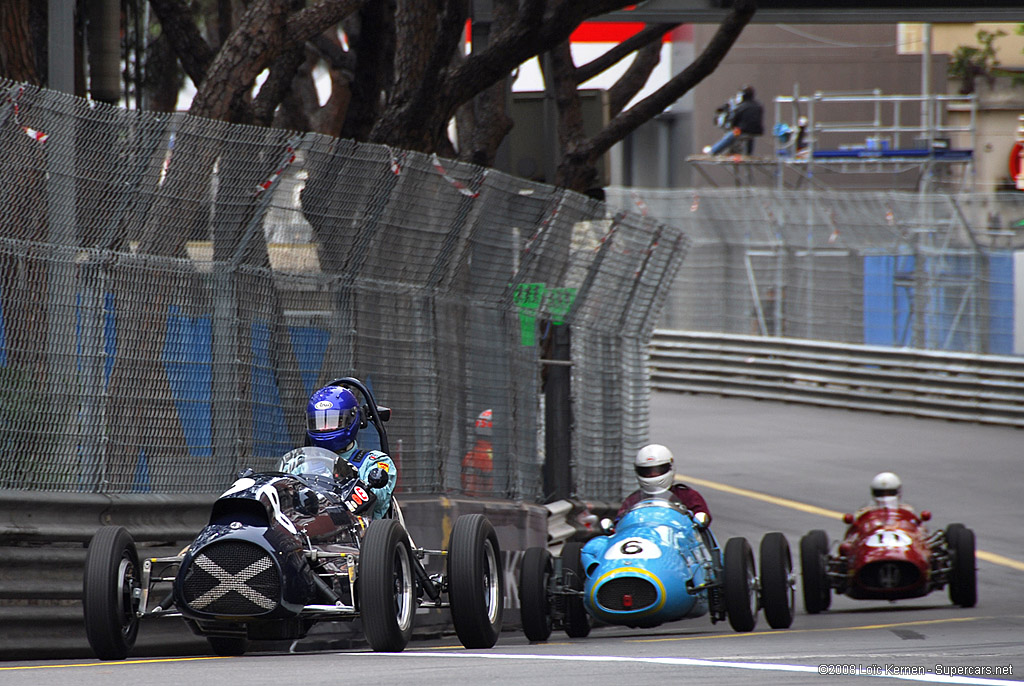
[(634, 79), (178, 26), (626, 122), (307, 23), (648, 35)]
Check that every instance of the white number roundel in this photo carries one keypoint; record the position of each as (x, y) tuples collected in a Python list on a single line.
[(888, 539), (632, 549)]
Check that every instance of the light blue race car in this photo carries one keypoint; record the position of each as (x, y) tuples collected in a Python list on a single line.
[(659, 565)]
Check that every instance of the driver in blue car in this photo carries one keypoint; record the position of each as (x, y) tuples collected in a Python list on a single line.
[(655, 472), (333, 419)]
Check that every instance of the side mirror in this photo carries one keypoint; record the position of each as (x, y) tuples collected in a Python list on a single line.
[(848, 518), (925, 515), (607, 525), (384, 412), (701, 518)]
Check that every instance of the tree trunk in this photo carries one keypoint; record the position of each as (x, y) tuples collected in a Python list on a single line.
[(17, 48)]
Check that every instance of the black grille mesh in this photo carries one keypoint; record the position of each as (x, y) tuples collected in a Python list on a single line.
[(641, 591), (888, 575), (232, 578)]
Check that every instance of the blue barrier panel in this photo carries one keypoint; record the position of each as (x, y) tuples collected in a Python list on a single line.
[(310, 346), (269, 430), (1000, 309), (188, 359), (109, 335), (887, 301)]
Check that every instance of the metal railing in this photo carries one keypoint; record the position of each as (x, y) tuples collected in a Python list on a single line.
[(955, 386)]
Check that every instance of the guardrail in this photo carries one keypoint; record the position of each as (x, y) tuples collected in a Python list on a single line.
[(923, 383)]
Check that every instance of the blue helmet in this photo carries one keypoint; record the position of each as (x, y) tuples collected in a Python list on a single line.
[(332, 418)]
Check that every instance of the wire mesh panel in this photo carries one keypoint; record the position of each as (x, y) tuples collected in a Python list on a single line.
[(928, 271), (173, 289)]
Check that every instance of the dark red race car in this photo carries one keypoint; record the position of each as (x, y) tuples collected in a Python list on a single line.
[(888, 554)]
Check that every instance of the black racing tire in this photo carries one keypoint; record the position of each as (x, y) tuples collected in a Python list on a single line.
[(963, 577), (534, 600), (577, 619), (476, 581), (228, 646), (817, 590), (110, 598), (778, 597), (387, 586), (740, 585)]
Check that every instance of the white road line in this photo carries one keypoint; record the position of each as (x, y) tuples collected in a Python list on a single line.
[(692, 662)]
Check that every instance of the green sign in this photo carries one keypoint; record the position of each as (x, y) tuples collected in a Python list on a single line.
[(529, 297)]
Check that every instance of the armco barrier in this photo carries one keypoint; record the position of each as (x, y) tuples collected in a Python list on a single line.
[(924, 383), (43, 539)]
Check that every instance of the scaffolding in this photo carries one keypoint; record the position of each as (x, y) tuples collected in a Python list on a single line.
[(828, 137)]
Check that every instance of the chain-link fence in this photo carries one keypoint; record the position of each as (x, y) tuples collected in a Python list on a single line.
[(173, 289), (930, 271)]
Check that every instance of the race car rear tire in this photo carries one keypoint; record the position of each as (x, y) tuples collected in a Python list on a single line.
[(387, 588), (228, 646), (109, 593), (534, 601), (740, 585), (777, 593), (577, 619), (963, 578), (816, 589), (476, 581)]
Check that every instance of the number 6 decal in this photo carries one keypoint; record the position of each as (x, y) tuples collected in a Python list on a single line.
[(633, 549)]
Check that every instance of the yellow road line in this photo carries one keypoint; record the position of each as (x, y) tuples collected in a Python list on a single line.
[(831, 514), (788, 632), (999, 560), (784, 502), (114, 663)]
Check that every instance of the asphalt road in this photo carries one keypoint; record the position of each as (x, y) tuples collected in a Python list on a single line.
[(762, 467)]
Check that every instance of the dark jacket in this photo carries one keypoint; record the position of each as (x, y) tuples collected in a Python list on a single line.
[(693, 500), (748, 117)]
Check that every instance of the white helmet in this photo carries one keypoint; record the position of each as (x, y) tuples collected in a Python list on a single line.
[(885, 489), (654, 468)]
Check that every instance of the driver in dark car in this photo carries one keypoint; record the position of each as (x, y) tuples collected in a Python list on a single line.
[(655, 472), (333, 419)]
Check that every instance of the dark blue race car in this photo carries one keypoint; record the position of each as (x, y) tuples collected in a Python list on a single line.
[(287, 549)]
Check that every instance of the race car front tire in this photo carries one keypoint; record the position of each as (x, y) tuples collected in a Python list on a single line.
[(476, 581), (386, 586), (963, 578), (816, 589), (534, 602), (740, 585), (777, 594), (109, 593), (577, 619)]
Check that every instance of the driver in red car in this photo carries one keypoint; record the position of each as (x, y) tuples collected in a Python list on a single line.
[(886, 489), (655, 472)]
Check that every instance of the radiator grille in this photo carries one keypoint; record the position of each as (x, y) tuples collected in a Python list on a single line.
[(613, 594), (889, 575), (232, 578)]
